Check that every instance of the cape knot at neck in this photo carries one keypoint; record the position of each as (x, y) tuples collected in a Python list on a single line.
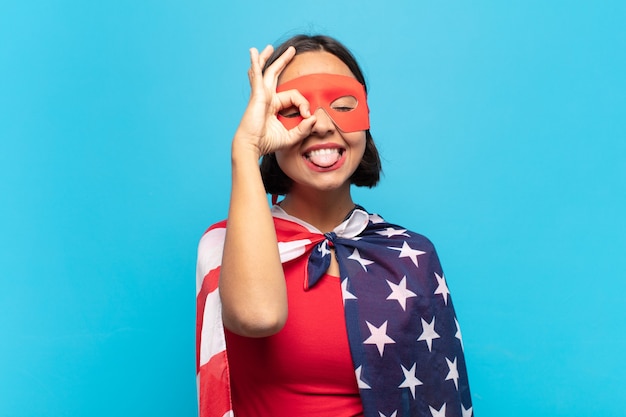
[(331, 236)]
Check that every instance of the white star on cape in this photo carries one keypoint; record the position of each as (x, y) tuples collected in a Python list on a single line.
[(400, 293), (378, 337), (442, 288), (356, 256), (323, 248), (390, 415), (438, 413), (390, 232), (410, 380), (453, 374), (466, 413), (428, 333), (345, 294), (360, 382), (408, 252), (458, 334)]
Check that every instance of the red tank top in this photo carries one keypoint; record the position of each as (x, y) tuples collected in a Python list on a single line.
[(304, 370)]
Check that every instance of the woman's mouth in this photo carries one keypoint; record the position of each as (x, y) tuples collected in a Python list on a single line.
[(325, 157)]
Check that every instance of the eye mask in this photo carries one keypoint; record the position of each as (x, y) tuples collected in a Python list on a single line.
[(343, 98)]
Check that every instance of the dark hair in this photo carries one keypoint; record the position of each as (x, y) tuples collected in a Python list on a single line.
[(368, 172)]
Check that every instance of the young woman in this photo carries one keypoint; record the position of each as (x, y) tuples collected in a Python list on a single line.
[(315, 307)]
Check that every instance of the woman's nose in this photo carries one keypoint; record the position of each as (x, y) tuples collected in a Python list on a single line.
[(323, 123)]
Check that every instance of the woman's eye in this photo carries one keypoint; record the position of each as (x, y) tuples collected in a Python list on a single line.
[(291, 112), (344, 104)]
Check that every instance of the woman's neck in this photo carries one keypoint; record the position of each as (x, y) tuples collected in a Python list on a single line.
[(323, 209)]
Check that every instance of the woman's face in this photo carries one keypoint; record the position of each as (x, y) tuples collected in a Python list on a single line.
[(327, 158)]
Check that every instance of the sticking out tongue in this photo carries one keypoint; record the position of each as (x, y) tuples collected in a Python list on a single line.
[(324, 157)]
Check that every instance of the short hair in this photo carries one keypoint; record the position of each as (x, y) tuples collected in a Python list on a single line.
[(368, 172)]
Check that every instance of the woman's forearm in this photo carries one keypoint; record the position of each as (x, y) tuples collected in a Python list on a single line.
[(252, 283)]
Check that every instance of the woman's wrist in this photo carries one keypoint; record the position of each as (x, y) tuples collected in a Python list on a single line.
[(246, 148)]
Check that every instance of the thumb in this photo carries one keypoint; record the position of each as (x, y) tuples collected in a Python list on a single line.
[(303, 129)]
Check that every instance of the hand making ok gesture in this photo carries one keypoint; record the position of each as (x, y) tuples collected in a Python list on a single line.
[(260, 129)]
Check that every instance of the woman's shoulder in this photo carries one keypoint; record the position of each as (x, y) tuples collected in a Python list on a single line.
[(219, 225), (212, 239)]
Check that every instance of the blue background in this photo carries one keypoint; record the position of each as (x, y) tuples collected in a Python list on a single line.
[(503, 134)]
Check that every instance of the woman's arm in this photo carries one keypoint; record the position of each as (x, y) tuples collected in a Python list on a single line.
[(252, 283)]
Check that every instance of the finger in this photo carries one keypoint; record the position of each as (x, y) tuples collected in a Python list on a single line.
[(254, 72), (254, 60), (293, 98), (301, 131), (265, 54), (273, 71)]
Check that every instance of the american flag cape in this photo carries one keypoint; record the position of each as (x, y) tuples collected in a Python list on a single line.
[(404, 337)]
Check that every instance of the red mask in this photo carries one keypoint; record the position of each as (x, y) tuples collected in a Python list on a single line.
[(343, 98)]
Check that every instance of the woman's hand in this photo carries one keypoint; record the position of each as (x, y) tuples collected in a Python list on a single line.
[(260, 129)]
